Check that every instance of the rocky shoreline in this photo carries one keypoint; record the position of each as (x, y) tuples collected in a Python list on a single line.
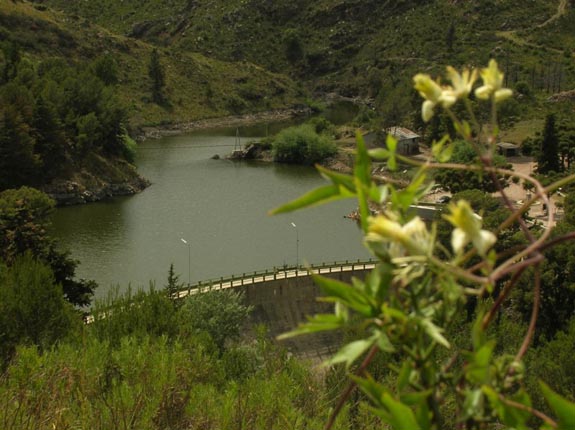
[(69, 192), (102, 180), (220, 122)]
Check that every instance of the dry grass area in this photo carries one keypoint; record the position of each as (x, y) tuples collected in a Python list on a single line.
[(522, 130)]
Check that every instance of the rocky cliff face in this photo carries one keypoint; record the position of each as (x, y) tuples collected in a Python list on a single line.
[(68, 192), (99, 179)]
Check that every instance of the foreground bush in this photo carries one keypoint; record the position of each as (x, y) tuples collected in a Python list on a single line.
[(405, 310)]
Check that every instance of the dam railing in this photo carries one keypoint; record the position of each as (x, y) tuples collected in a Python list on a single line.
[(277, 273)]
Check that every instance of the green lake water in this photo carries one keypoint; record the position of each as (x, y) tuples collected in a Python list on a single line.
[(218, 206)]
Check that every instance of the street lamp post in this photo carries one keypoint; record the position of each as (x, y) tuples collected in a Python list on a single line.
[(189, 258), (296, 247)]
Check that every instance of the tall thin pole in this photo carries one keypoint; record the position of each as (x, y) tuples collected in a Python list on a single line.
[(296, 246), (189, 259)]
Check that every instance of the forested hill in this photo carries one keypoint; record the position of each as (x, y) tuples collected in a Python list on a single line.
[(72, 93), (357, 47), (102, 68)]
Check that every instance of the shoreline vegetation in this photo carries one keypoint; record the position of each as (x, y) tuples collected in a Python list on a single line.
[(123, 179)]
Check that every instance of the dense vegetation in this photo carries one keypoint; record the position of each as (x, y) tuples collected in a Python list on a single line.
[(24, 219), (196, 86), (367, 48), (302, 145), (55, 119), (145, 362), (75, 82)]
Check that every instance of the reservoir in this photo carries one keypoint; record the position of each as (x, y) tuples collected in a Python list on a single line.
[(219, 207)]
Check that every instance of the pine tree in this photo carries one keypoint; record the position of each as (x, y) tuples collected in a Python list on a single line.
[(157, 74), (548, 160), (174, 285)]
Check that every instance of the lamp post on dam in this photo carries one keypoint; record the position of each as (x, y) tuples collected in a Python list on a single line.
[(189, 259), (296, 248)]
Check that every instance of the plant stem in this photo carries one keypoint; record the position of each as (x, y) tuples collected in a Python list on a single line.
[(529, 409), (350, 388), (534, 314)]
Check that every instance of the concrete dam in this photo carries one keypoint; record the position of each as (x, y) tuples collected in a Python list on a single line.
[(281, 299)]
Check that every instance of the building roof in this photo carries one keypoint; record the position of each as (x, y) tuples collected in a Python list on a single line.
[(401, 133), (507, 145)]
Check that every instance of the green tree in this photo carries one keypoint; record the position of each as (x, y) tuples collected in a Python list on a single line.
[(105, 68), (450, 36), (302, 145), (50, 139), (557, 281), (294, 49), (566, 143), (18, 163), (548, 159), (24, 219), (221, 314), (157, 75), (12, 58), (137, 314), (173, 284), (32, 306), (461, 180)]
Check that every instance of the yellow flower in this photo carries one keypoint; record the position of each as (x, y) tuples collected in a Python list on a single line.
[(410, 239), (433, 95), (468, 229), (492, 84), (462, 83)]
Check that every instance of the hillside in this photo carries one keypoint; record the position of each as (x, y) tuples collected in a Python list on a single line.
[(366, 49), (215, 59), (196, 86), (346, 44)]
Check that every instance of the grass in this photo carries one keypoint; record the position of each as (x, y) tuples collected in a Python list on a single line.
[(522, 130)]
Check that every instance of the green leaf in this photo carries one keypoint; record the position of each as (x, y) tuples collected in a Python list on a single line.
[(385, 280), (378, 193), (363, 206), (394, 314), (315, 197), (478, 369), (433, 331), (415, 398), (351, 352), (379, 154), (383, 342), (371, 388), (442, 150), (474, 403), (478, 335), (391, 144), (563, 408), (404, 375), (316, 323), (340, 291), (401, 416), (424, 416), (338, 178), (362, 169), (509, 415)]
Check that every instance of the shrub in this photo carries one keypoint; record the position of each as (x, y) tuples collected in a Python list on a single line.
[(303, 145), (32, 307), (221, 314)]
